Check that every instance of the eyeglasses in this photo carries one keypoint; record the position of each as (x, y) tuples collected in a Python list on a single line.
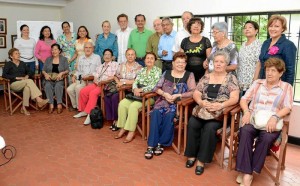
[(215, 32)]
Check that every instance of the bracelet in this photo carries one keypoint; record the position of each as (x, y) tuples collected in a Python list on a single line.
[(276, 116)]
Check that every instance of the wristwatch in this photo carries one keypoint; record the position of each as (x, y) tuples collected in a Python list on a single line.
[(276, 116)]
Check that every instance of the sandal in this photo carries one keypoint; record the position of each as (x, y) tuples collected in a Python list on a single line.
[(114, 127), (158, 150), (149, 153)]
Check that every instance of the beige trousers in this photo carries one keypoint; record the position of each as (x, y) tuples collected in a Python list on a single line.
[(30, 90), (73, 92)]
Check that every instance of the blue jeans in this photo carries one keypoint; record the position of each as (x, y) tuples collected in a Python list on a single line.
[(41, 66), (31, 66)]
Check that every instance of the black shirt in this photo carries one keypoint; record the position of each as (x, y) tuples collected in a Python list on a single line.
[(11, 71)]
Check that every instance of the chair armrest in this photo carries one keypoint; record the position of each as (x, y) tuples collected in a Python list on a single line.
[(6, 80), (124, 87), (89, 78), (187, 101), (228, 109), (37, 76), (235, 110), (148, 95), (105, 82)]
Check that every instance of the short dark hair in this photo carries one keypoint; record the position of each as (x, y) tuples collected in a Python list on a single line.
[(65, 22), (193, 21), (11, 51), (87, 32), (151, 53), (109, 50), (135, 18), (275, 62), (122, 15), (56, 45), (180, 55), (253, 23), (42, 37)]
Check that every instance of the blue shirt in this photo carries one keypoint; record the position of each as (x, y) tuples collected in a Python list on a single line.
[(166, 42), (102, 43), (287, 52)]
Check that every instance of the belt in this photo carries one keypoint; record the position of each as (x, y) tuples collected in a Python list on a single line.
[(140, 58), (166, 61)]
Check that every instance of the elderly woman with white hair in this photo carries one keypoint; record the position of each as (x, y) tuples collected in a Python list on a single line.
[(214, 92), (222, 43)]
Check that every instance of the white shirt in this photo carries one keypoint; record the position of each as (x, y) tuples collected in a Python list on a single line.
[(26, 49), (123, 43), (181, 34), (87, 65)]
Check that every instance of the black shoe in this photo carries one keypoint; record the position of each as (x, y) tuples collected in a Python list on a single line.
[(190, 163), (199, 170)]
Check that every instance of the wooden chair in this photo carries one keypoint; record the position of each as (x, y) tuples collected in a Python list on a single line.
[(12, 99), (228, 137), (146, 107), (176, 144), (279, 156)]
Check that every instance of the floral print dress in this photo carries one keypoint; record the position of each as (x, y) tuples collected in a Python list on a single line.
[(68, 48)]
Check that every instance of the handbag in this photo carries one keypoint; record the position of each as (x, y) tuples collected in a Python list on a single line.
[(132, 97), (261, 118), (53, 76), (203, 113), (110, 88)]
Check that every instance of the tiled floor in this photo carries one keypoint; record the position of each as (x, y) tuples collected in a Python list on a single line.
[(58, 150)]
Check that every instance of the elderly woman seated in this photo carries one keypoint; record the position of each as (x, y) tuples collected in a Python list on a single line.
[(214, 92), (54, 69), (271, 100), (88, 96), (128, 109), (173, 85), (126, 74), (18, 73)]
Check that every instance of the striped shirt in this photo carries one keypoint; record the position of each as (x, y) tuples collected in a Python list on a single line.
[(278, 97)]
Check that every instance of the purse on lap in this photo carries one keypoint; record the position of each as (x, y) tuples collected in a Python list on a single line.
[(132, 97)]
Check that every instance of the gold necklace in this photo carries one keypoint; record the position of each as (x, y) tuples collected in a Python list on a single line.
[(174, 84)]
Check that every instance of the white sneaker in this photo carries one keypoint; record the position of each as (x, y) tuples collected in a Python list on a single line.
[(239, 178), (87, 120), (80, 114)]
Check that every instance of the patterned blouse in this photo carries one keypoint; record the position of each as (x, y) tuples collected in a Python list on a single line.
[(128, 73), (79, 46), (105, 70), (229, 84), (149, 80), (268, 99), (68, 47), (184, 86), (231, 49), (248, 57)]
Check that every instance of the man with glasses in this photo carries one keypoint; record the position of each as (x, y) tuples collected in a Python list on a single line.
[(166, 43)]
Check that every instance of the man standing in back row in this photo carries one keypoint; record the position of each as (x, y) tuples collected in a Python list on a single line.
[(123, 36), (138, 39)]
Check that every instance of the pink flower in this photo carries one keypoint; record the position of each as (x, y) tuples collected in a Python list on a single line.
[(273, 50)]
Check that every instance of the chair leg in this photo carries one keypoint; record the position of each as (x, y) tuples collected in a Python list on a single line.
[(223, 141), (186, 110)]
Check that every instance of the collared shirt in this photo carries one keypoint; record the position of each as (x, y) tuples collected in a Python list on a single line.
[(105, 70), (181, 34), (11, 71), (87, 65), (123, 37), (103, 43), (138, 41), (128, 73), (263, 98), (166, 42), (149, 80), (68, 47), (287, 52), (152, 44)]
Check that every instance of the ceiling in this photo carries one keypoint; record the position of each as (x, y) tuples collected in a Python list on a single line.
[(60, 3)]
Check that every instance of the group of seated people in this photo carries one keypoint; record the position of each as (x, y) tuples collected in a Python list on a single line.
[(217, 88)]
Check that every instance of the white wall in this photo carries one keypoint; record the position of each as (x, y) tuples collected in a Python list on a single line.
[(93, 12), (15, 12)]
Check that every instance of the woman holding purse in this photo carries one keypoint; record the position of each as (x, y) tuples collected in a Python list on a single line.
[(272, 95)]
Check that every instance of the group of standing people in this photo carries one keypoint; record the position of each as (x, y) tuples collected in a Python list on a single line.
[(169, 64)]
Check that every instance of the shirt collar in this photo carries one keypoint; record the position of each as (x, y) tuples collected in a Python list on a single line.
[(280, 84)]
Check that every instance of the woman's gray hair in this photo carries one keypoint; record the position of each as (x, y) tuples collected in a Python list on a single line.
[(221, 26), (224, 54)]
